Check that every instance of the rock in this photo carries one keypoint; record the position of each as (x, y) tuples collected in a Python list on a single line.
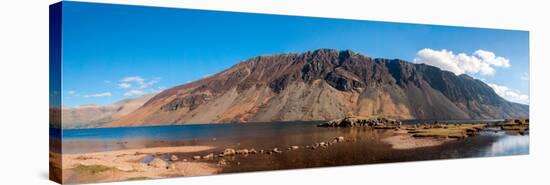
[(222, 162), (276, 150), (252, 151), (209, 156), (229, 151), (196, 157), (242, 152), (340, 139), (294, 147), (158, 163), (220, 155), (261, 151), (184, 160), (362, 121), (173, 158)]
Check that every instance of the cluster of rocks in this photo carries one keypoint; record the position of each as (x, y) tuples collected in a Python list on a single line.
[(228, 152), (379, 123)]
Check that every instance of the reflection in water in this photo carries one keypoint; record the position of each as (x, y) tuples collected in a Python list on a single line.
[(508, 145)]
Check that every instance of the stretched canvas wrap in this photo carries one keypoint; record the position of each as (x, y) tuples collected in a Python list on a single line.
[(142, 92)]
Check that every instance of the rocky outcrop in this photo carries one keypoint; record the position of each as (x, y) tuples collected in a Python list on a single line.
[(362, 122)]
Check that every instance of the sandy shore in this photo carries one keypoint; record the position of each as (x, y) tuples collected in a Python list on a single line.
[(403, 140), (129, 165)]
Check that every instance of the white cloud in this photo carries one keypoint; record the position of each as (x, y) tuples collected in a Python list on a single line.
[(138, 82), (134, 92), (124, 85), (510, 94), (481, 62), (491, 58), (99, 95), (132, 79), (71, 92)]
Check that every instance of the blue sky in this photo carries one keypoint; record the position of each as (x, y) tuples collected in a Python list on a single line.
[(113, 52)]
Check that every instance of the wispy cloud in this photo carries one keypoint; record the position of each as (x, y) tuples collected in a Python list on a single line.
[(71, 92), (99, 95), (138, 85), (510, 94), (138, 82), (124, 85), (480, 62)]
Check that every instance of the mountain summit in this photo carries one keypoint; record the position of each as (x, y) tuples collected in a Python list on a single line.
[(321, 85)]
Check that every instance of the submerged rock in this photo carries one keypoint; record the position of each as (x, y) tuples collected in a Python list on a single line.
[(173, 158), (222, 162), (339, 139), (242, 152), (209, 156), (276, 150)]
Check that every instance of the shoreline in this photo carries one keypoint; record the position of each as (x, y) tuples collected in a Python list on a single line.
[(129, 165), (162, 162)]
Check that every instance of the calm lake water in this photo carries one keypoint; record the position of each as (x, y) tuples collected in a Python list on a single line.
[(367, 149)]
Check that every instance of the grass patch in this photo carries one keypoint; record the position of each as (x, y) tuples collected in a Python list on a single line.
[(459, 131), (92, 169)]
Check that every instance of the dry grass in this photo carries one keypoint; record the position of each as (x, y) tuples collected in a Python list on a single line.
[(92, 169), (458, 131)]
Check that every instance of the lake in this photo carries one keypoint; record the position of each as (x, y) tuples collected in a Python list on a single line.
[(367, 147)]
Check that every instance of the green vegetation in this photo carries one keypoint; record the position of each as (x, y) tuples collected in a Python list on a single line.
[(92, 169)]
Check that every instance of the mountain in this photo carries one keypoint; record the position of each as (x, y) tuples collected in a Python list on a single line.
[(321, 85), (90, 116)]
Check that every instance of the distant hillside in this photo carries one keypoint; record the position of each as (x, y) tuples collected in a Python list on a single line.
[(89, 116), (321, 85)]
